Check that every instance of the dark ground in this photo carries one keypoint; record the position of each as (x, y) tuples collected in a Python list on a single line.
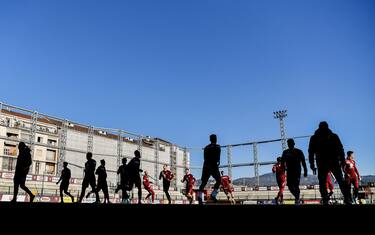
[(209, 217)]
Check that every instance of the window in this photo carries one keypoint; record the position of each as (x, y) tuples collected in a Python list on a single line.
[(51, 155), (10, 150), (52, 142), (12, 136), (8, 121), (40, 139), (50, 168), (6, 151), (37, 168), (9, 164)]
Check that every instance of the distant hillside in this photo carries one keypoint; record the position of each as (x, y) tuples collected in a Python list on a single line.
[(368, 179), (270, 180), (265, 180)]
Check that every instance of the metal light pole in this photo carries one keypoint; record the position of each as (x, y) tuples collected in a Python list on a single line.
[(281, 115), (229, 158), (41, 193), (256, 164)]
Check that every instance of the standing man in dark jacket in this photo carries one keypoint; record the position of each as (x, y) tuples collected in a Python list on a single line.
[(134, 177), (211, 168), (102, 181), (65, 178), (89, 178), (326, 148), (22, 169), (293, 158), (124, 180)]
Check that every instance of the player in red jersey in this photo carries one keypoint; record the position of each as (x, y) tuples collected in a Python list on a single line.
[(190, 180), (329, 184), (279, 170), (227, 187), (351, 174), (167, 177), (148, 186)]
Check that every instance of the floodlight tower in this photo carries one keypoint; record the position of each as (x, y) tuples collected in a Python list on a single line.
[(281, 115)]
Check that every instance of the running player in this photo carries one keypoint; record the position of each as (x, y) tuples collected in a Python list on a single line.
[(148, 186), (279, 170), (351, 174), (167, 177), (227, 187), (190, 180), (65, 180)]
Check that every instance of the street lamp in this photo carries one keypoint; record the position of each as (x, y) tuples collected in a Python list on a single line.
[(281, 115)]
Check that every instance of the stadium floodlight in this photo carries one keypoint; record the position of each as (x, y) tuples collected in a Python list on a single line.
[(281, 115)]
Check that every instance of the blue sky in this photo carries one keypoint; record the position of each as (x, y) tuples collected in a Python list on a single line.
[(181, 70)]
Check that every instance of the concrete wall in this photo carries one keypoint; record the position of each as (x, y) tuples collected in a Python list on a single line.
[(77, 141), (103, 148)]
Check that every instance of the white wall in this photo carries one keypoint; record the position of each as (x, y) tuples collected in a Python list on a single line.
[(76, 140), (102, 147)]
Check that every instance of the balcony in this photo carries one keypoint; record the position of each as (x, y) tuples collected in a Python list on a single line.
[(50, 130)]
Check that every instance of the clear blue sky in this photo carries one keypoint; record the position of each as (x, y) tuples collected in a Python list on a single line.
[(181, 70)]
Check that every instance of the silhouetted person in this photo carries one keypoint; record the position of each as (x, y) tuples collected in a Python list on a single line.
[(211, 168), (89, 178), (124, 180), (65, 180), (352, 175), (22, 169), (102, 181), (167, 177), (134, 177), (293, 158), (325, 147)]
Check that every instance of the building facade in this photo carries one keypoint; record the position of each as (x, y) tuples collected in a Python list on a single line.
[(55, 140)]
